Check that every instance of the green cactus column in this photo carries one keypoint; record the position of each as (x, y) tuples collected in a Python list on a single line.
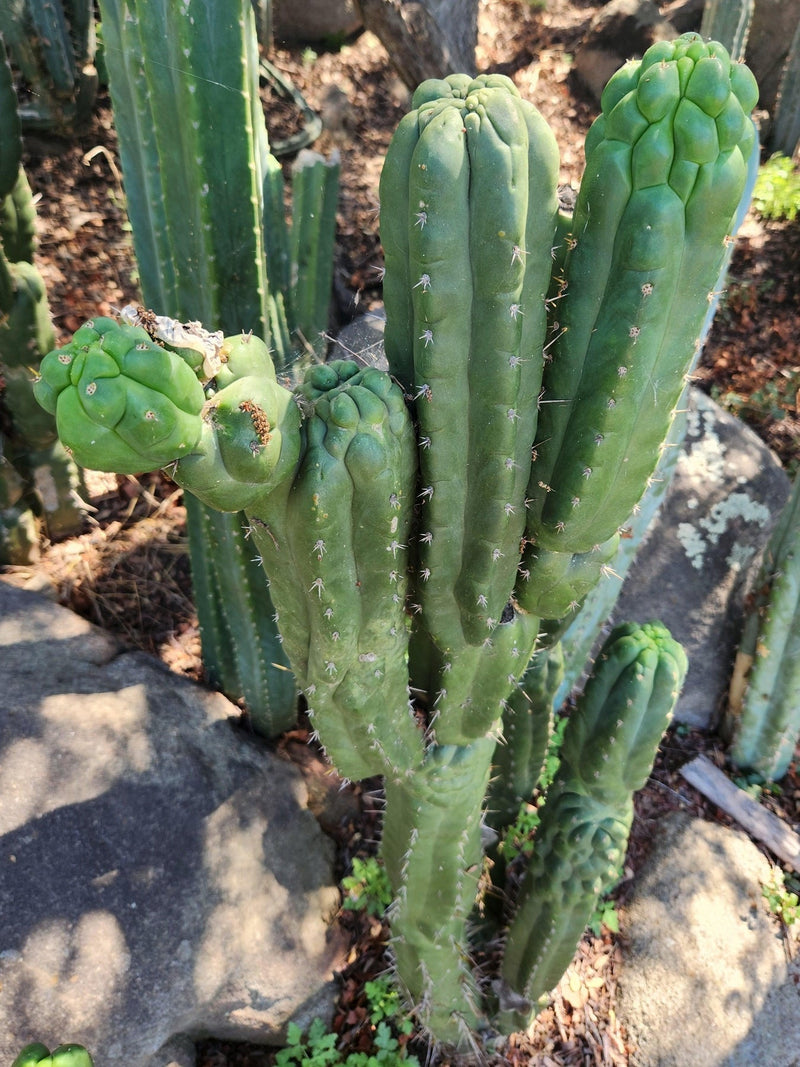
[(666, 170), (763, 715), (468, 208), (608, 750), (196, 163)]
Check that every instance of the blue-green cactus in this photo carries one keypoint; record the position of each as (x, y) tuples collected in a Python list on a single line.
[(420, 528)]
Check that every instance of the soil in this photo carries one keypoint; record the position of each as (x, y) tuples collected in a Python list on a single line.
[(129, 570)]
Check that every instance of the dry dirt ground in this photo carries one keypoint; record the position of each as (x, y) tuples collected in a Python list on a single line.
[(129, 570)]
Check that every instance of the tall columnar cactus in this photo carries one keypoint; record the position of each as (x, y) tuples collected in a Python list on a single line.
[(763, 714), (38, 480), (205, 200), (53, 42), (420, 528)]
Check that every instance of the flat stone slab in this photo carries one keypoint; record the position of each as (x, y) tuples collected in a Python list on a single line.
[(160, 873), (704, 978)]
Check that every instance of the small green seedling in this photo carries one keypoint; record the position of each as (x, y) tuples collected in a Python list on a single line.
[(777, 190), (367, 888), (780, 899)]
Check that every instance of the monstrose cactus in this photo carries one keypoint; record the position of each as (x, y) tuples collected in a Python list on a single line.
[(430, 533)]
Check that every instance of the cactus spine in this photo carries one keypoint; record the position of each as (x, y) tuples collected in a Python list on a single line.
[(384, 520)]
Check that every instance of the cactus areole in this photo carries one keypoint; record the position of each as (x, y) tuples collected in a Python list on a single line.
[(426, 530)]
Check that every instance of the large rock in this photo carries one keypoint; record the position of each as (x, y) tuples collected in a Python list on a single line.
[(160, 874), (704, 978), (699, 557), (621, 30)]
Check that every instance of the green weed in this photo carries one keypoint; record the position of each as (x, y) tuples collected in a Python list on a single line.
[(780, 899), (777, 189), (367, 888)]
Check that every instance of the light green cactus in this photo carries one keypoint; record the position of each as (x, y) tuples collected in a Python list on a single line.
[(762, 719), (38, 1055), (430, 533)]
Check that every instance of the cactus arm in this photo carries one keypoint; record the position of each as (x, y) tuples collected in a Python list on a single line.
[(471, 688), (527, 725), (608, 749), (336, 551), (178, 177), (439, 180), (50, 27), (10, 128), (259, 673), (475, 340), (396, 211), (686, 171), (553, 583), (728, 21)]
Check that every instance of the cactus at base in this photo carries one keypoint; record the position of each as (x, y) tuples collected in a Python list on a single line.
[(378, 508), (38, 1055), (608, 749), (762, 721)]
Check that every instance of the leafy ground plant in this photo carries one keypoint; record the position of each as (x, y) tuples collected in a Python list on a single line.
[(777, 190), (780, 899), (318, 1049), (367, 888)]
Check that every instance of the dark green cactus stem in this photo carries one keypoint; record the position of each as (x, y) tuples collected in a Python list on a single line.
[(763, 718), (10, 128), (315, 185), (52, 42), (205, 198), (786, 129), (527, 725), (467, 270), (728, 21), (608, 751), (39, 1055), (666, 170)]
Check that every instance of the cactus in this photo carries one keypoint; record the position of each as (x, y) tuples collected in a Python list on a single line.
[(38, 480), (395, 513), (763, 715), (786, 130), (728, 21), (52, 42), (38, 1055), (211, 243), (609, 746)]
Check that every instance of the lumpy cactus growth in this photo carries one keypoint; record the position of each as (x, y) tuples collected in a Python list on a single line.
[(428, 533)]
